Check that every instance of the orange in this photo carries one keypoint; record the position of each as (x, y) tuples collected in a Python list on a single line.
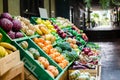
[(36, 40), (56, 54), (47, 42), (52, 56), (53, 50), (46, 50), (58, 59), (41, 45), (41, 40), (61, 65)]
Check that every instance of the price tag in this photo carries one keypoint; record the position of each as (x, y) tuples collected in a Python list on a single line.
[(43, 13)]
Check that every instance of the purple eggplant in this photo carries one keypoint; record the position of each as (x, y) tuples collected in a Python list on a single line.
[(78, 67), (87, 66)]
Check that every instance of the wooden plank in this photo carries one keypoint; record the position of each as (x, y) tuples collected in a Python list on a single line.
[(16, 73), (64, 76), (28, 75), (9, 61), (91, 71), (99, 73)]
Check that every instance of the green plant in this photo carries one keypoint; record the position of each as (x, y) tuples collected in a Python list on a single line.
[(88, 3), (105, 4), (116, 2)]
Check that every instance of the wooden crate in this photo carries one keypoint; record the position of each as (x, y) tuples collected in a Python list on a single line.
[(96, 73), (9, 61), (64, 76), (98, 76), (91, 71), (15, 73), (28, 75)]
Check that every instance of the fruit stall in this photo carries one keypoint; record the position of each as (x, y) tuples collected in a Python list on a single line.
[(51, 49)]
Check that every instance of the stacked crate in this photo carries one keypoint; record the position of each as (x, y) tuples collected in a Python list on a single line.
[(11, 68)]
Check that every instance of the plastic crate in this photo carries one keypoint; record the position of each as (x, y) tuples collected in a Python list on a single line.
[(6, 38), (32, 65), (33, 19)]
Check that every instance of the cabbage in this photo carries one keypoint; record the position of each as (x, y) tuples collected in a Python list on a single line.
[(11, 34), (6, 15), (16, 25), (6, 24), (18, 35)]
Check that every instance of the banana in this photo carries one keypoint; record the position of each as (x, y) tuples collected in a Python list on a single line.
[(3, 52), (8, 51), (8, 46), (0, 36), (38, 30)]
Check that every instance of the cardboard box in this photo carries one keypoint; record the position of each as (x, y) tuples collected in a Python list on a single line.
[(9, 61), (15, 73)]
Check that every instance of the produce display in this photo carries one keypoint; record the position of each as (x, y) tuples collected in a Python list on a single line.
[(62, 22), (52, 52), (77, 75), (88, 59), (10, 25), (6, 48), (60, 32), (44, 63), (44, 26), (26, 26), (58, 44)]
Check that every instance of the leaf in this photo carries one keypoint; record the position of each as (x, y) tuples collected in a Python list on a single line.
[(116, 2), (88, 3), (105, 4)]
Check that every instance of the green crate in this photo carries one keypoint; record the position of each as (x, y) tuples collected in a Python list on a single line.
[(59, 76), (33, 19), (6, 38), (35, 35), (32, 65), (41, 51)]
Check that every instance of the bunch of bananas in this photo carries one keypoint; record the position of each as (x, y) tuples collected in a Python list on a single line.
[(6, 48)]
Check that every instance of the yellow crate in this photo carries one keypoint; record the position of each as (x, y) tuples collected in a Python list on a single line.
[(9, 61)]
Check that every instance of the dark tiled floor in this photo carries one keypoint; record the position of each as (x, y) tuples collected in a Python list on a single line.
[(110, 60)]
